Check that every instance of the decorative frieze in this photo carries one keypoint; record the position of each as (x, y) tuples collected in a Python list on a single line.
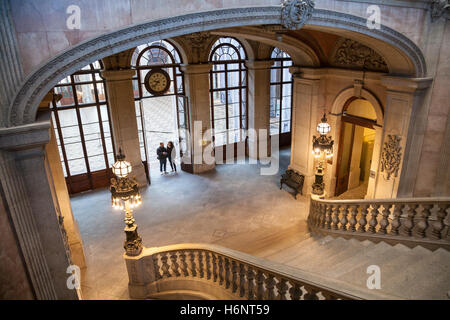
[(391, 156), (352, 54)]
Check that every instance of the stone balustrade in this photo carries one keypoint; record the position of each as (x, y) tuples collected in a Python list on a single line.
[(213, 272), (415, 221)]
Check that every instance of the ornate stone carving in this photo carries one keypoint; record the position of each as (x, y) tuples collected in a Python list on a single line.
[(391, 156), (439, 8), (351, 54), (197, 43), (295, 13)]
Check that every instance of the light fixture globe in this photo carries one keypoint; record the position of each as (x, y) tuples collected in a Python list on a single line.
[(121, 168), (323, 127)]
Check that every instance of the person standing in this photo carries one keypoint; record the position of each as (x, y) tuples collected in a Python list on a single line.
[(171, 155), (162, 157)]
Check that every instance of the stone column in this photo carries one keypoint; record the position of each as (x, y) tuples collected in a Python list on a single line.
[(258, 104), (31, 198), (62, 195), (404, 101), (305, 116), (119, 88), (197, 90)]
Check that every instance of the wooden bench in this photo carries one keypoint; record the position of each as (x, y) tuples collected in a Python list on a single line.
[(294, 180)]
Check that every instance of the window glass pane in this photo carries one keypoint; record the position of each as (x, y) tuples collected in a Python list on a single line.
[(219, 97), (234, 123), (274, 128), (233, 79), (234, 136), (275, 75), (286, 114), (101, 91), (97, 163), (234, 109), (219, 112), (286, 75), (218, 80), (220, 125), (85, 93), (67, 96), (77, 166), (233, 96), (285, 126), (220, 139), (82, 77), (287, 90)]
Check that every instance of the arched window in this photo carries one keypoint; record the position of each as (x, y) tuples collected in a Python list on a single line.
[(280, 93), (82, 129), (156, 114), (228, 87)]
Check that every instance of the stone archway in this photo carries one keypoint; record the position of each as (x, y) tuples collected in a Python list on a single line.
[(24, 106), (337, 109)]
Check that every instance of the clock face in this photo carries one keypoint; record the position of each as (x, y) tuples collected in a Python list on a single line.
[(157, 82)]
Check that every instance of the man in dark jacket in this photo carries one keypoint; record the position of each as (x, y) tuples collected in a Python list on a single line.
[(162, 157)]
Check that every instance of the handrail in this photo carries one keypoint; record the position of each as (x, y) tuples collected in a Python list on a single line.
[(236, 274), (411, 221)]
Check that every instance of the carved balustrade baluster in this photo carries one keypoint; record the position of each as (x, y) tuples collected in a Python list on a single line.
[(408, 226), (201, 271), (227, 273), (396, 222), (174, 265), (295, 291), (352, 222), (270, 285), (234, 277), (250, 283), (343, 220), (329, 296), (156, 267), (183, 264), (363, 219), (282, 288), (384, 222), (259, 285), (438, 225), (335, 217), (328, 219), (193, 268), (422, 225), (242, 284), (208, 265), (311, 293), (165, 266), (214, 267), (373, 218), (321, 215), (220, 263)]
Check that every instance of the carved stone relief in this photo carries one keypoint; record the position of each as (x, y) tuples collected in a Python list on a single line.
[(351, 54), (391, 156), (295, 13), (197, 44), (440, 8)]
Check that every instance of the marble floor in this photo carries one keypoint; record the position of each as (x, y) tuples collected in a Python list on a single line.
[(233, 206)]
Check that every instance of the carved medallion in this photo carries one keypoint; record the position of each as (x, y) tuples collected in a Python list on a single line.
[(295, 13), (391, 156), (352, 54)]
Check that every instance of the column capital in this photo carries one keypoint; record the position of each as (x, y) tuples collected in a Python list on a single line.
[(27, 136), (115, 75), (405, 85), (258, 64), (307, 73), (197, 68)]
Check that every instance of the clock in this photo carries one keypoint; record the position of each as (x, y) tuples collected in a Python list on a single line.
[(157, 82)]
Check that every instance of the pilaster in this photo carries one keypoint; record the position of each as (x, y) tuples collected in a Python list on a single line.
[(258, 105), (119, 87), (197, 90)]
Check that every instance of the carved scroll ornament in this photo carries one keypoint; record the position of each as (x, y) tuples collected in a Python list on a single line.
[(391, 156), (295, 13)]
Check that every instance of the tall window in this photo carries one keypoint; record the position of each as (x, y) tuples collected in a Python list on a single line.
[(82, 129), (156, 114), (280, 93), (228, 83)]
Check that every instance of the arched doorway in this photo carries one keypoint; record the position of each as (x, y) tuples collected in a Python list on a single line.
[(356, 141)]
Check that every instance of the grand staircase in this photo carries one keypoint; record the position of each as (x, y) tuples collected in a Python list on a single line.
[(416, 273)]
